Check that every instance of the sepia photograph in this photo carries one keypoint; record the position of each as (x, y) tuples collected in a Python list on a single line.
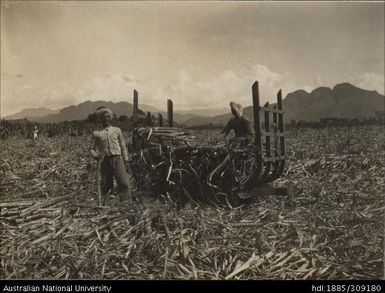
[(192, 140)]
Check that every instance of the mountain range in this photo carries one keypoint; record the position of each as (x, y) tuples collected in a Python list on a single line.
[(32, 113), (82, 110), (342, 101)]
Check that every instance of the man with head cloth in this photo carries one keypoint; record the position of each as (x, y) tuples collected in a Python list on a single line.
[(108, 146), (240, 125)]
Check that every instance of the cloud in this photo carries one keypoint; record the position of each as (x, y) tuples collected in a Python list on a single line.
[(371, 81), (187, 92), (28, 96), (58, 95), (113, 88), (125, 78), (228, 86)]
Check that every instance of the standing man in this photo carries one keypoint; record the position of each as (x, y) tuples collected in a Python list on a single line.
[(108, 146), (241, 126)]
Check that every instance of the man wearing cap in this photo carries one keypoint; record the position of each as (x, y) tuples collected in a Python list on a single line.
[(109, 147), (241, 126)]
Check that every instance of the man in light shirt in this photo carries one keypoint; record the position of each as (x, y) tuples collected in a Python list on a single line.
[(109, 147)]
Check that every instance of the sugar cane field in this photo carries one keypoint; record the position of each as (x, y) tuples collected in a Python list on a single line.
[(330, 227)]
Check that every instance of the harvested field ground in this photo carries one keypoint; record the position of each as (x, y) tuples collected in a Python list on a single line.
[(332, 227)]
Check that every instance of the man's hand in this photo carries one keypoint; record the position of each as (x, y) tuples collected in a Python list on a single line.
[(94, 155)]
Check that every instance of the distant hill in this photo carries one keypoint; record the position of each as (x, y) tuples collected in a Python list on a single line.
[(216, 120), (81, 111), (203, 112), (31, 113), (343, 101), (199, 115)]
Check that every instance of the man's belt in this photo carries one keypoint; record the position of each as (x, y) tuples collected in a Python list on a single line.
[(111, 157)]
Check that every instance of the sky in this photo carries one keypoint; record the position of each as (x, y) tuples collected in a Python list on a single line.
[(201, 54)]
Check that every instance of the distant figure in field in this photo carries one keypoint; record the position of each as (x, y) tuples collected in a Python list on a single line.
[(241, 126), (35, 132), (108, 147)]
